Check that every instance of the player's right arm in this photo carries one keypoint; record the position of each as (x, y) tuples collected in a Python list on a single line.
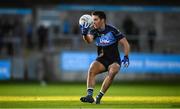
[(88, 38), (84, 31)]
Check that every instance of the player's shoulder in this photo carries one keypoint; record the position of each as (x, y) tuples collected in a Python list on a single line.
[(111, 27)]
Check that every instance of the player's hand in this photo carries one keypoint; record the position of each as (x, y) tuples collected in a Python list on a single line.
[(125, 61), (84, 28)]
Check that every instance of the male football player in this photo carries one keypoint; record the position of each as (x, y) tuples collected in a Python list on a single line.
[(107, 38)]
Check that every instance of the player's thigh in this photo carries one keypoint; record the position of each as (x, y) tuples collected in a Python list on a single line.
[(96, 67), (114, 68)]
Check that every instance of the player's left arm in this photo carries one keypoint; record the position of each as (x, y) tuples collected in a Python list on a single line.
[(122, 40), (126, 46)]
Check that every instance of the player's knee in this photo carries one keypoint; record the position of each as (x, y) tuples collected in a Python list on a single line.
[(112, 74), (113, 71), (114, 68)]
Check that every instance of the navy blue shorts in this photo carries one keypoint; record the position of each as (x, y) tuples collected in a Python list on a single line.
[(106, 62)]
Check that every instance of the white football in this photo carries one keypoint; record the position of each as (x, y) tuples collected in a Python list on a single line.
[(86, 18)]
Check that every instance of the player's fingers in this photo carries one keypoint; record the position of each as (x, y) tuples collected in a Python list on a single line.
[(126, 64), (86, 25), (81, 26)]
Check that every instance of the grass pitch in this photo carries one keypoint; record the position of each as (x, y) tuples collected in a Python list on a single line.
[(66, 95)]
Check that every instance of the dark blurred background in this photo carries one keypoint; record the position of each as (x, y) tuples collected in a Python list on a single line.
[(41, 40)]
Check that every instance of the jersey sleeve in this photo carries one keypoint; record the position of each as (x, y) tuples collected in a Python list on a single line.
[(118, 35)]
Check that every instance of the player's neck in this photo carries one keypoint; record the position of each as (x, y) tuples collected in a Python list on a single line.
[(102, 28)]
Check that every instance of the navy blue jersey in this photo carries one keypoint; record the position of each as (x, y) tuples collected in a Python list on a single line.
[(107, 41)]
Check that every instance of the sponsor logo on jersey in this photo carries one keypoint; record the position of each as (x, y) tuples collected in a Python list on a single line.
[(104, 41)]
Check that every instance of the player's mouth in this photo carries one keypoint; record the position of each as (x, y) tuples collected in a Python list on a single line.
[(95, 26)]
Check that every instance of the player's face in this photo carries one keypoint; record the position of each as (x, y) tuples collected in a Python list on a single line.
[(98, 23)]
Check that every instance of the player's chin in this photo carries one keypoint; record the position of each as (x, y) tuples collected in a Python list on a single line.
[(95, 26)]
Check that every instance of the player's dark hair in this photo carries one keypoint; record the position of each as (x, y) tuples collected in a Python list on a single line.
[(100, 14)]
